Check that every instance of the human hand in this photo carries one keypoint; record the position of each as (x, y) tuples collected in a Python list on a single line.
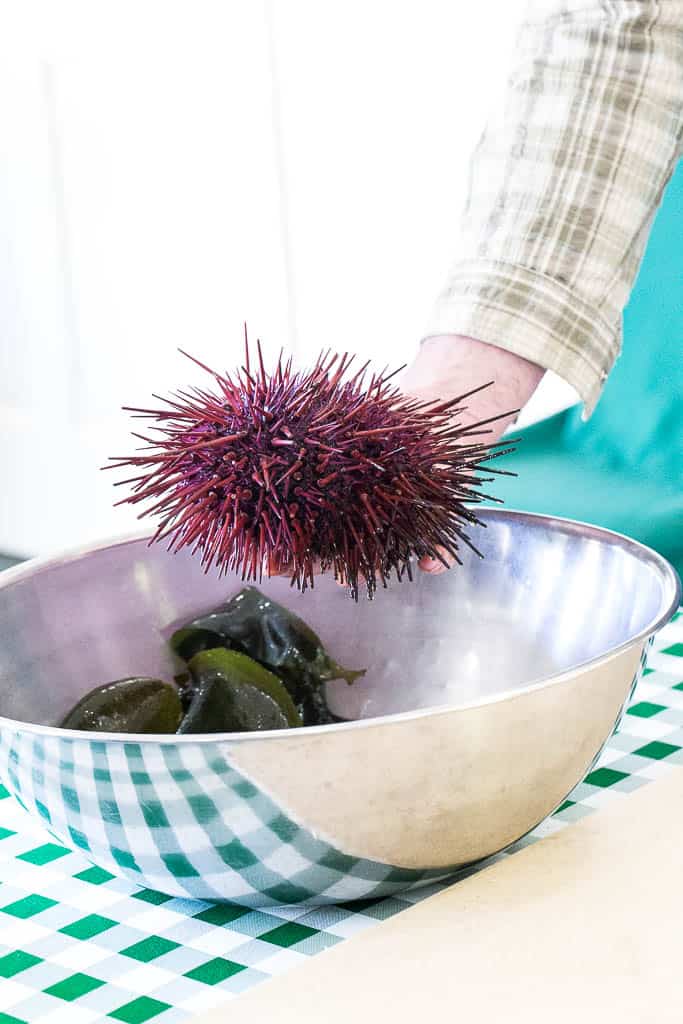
[(447, 366), (450, 365)]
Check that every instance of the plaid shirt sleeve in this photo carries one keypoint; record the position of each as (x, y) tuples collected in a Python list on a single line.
[(564, 185)]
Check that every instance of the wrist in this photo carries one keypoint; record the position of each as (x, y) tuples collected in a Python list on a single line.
[(453, 364)]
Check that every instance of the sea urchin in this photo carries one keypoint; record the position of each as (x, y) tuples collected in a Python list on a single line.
[(299, 471)]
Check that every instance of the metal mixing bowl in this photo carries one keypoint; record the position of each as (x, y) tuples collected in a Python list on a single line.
[(490, 691)]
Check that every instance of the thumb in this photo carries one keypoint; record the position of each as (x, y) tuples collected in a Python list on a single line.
[(434, 566)]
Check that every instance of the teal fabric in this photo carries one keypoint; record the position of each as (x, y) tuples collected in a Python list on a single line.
[(623, 469)]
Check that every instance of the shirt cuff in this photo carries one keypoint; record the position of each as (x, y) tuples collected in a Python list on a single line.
[(535, 317)]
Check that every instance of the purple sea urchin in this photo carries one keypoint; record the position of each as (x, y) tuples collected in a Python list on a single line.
[(288, 469)]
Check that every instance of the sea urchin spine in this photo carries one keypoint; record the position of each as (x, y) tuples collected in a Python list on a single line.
[(311, 470)]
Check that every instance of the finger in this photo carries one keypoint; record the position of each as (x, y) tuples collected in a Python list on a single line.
[(434, 566), (275, 568)]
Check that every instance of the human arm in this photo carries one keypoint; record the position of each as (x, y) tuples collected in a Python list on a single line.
[(564, 185)]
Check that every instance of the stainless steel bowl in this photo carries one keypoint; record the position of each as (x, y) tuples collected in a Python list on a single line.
[(490, 691)]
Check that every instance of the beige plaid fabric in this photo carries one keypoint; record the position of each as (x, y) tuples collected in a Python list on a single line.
[(564, 184)]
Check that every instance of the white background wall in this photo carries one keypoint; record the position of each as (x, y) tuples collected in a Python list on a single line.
[(168, 171)]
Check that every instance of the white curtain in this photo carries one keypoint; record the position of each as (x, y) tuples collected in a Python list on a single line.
[(168, 171)]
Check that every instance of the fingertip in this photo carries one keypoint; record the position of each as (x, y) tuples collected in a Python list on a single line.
[(432, 565)]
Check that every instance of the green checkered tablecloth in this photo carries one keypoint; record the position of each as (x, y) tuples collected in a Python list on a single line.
[(78, 945)]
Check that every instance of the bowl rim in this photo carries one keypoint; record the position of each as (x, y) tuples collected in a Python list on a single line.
[(671, 600)]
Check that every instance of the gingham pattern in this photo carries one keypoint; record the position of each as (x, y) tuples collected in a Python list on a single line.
[(118, 801), (79, 945), (565, 182)]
